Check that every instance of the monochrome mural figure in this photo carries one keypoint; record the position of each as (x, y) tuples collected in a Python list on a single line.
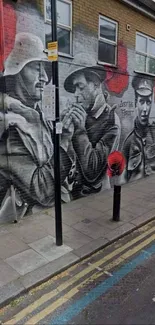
[(139, 146), (26, 146), (91, 126)]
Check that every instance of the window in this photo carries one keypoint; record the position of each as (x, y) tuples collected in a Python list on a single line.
[(145, 54), (64, 21), (107, 44)]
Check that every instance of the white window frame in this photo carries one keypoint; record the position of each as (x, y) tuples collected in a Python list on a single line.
[(105, 40), (68, 28), (146, 54)]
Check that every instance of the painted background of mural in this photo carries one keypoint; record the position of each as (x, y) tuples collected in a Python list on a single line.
[(103, 109)]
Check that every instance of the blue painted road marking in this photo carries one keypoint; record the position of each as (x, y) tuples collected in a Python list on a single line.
[(102, 288)]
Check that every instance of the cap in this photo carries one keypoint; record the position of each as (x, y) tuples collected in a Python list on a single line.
[(143, 86)]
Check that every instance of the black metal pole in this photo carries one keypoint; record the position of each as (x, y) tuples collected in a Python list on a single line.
[(116, 202), (58, 211)]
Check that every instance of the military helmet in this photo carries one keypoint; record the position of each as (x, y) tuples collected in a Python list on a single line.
[(27, 48), (83, 62)]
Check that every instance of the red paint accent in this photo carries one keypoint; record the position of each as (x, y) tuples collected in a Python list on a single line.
[(8, 31), (116, 163), (117, 78)]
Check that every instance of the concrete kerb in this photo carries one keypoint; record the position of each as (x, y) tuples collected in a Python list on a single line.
[(17, 288)]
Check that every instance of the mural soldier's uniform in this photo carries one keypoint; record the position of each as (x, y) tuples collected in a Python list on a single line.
[(139, 146), (139, 150), (26, 148), (93, 144)]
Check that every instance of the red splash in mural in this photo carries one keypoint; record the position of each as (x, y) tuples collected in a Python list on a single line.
[(7, 31), (117, 79)]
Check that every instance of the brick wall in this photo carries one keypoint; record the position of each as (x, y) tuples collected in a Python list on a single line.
[(86, 13)]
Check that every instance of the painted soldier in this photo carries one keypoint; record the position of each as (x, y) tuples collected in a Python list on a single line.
[(26, 136), (93, 126), (139, 146)]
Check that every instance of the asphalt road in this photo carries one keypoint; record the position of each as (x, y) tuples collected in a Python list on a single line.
[(114, 286), (130, 302)]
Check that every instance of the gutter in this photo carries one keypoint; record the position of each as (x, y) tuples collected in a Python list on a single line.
[(138, 8)]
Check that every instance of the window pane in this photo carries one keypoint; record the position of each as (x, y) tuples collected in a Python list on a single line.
[(140, 63), (141, 43), (48, 9), (107, 30), (63, 12), (151, 65), (63, 39), (63, 9), (152, 47), (106, 53), (48, 34)]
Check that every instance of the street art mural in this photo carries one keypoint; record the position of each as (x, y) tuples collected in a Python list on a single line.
[(102, 110)]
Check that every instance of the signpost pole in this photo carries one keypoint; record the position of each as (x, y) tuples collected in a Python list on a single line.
[(58, 211)]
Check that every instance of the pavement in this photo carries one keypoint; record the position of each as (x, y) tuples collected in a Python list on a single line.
[(29, 256), (112, 286)]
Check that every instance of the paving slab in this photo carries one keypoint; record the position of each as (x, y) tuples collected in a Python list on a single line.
[(11, 245), (7, 273), (47, 271), (28, 232), (144, 218), (89, 213), (48, 249), (76, 239), (125, 216), (91, 229), (108, 223), (99, 205), (120, 231), (70, 218), (50, 228), (26, 261), (87, 249), (136, 210)]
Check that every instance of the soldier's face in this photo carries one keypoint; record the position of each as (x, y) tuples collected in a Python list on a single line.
[(34, 77), (84, 91), (143, 108)]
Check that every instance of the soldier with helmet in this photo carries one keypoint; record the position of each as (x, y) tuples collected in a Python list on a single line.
[(139, 146), (26, 146)]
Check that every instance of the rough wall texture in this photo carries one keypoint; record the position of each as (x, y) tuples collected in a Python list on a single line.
[(103, 109)]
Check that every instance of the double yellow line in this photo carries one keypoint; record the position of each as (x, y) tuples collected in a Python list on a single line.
[(60, 301)]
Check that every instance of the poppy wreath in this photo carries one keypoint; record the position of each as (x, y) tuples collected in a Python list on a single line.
[(116, 164)]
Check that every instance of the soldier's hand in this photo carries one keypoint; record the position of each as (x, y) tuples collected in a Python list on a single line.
[(67, 122), (79, 116)]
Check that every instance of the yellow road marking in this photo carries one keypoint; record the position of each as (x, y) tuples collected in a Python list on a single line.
[(60, 301), (29, 309)]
